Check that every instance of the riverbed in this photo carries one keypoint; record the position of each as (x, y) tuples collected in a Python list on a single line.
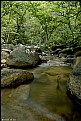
[(44, 99)]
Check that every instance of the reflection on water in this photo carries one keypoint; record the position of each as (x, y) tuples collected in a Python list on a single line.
[(44, 99)]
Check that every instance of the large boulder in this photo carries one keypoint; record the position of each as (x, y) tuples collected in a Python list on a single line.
[(21, 57), (74, 83), (12, 78)]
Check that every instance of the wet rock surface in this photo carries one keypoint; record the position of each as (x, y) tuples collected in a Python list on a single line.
[(14, 78), (74, 83)]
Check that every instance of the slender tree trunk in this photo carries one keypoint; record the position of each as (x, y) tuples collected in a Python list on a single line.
[(18, 26), (46, 31)]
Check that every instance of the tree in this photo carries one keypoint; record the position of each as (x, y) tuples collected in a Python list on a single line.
[(12, 20), (43, 12), (41, 22)]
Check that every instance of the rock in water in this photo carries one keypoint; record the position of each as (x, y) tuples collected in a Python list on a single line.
[(16, 78), (19, 58), (74, 84)]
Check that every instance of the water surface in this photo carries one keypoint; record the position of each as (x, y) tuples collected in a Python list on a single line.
[(44, 99)]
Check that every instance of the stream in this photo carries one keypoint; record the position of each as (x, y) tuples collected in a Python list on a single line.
[(44, 99)]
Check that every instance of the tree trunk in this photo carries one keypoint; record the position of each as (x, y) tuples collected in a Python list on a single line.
[(46, 31)]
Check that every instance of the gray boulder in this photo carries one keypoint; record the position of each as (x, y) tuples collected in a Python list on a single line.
[(21, 57), (13, 78)]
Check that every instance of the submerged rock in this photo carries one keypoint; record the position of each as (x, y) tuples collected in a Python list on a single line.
[(23, 58), (10, 79)]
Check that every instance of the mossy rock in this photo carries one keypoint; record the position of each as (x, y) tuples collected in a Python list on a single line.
[(13, 79), (19, 58)]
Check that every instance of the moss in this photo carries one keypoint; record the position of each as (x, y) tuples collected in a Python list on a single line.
[(16, 79)]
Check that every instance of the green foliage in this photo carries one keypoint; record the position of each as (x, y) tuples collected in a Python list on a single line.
[(41, 22)]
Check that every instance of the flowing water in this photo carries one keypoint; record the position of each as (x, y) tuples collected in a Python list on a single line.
[(44, 99)]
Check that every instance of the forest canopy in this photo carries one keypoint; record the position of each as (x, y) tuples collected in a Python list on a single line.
[(41, 22)]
